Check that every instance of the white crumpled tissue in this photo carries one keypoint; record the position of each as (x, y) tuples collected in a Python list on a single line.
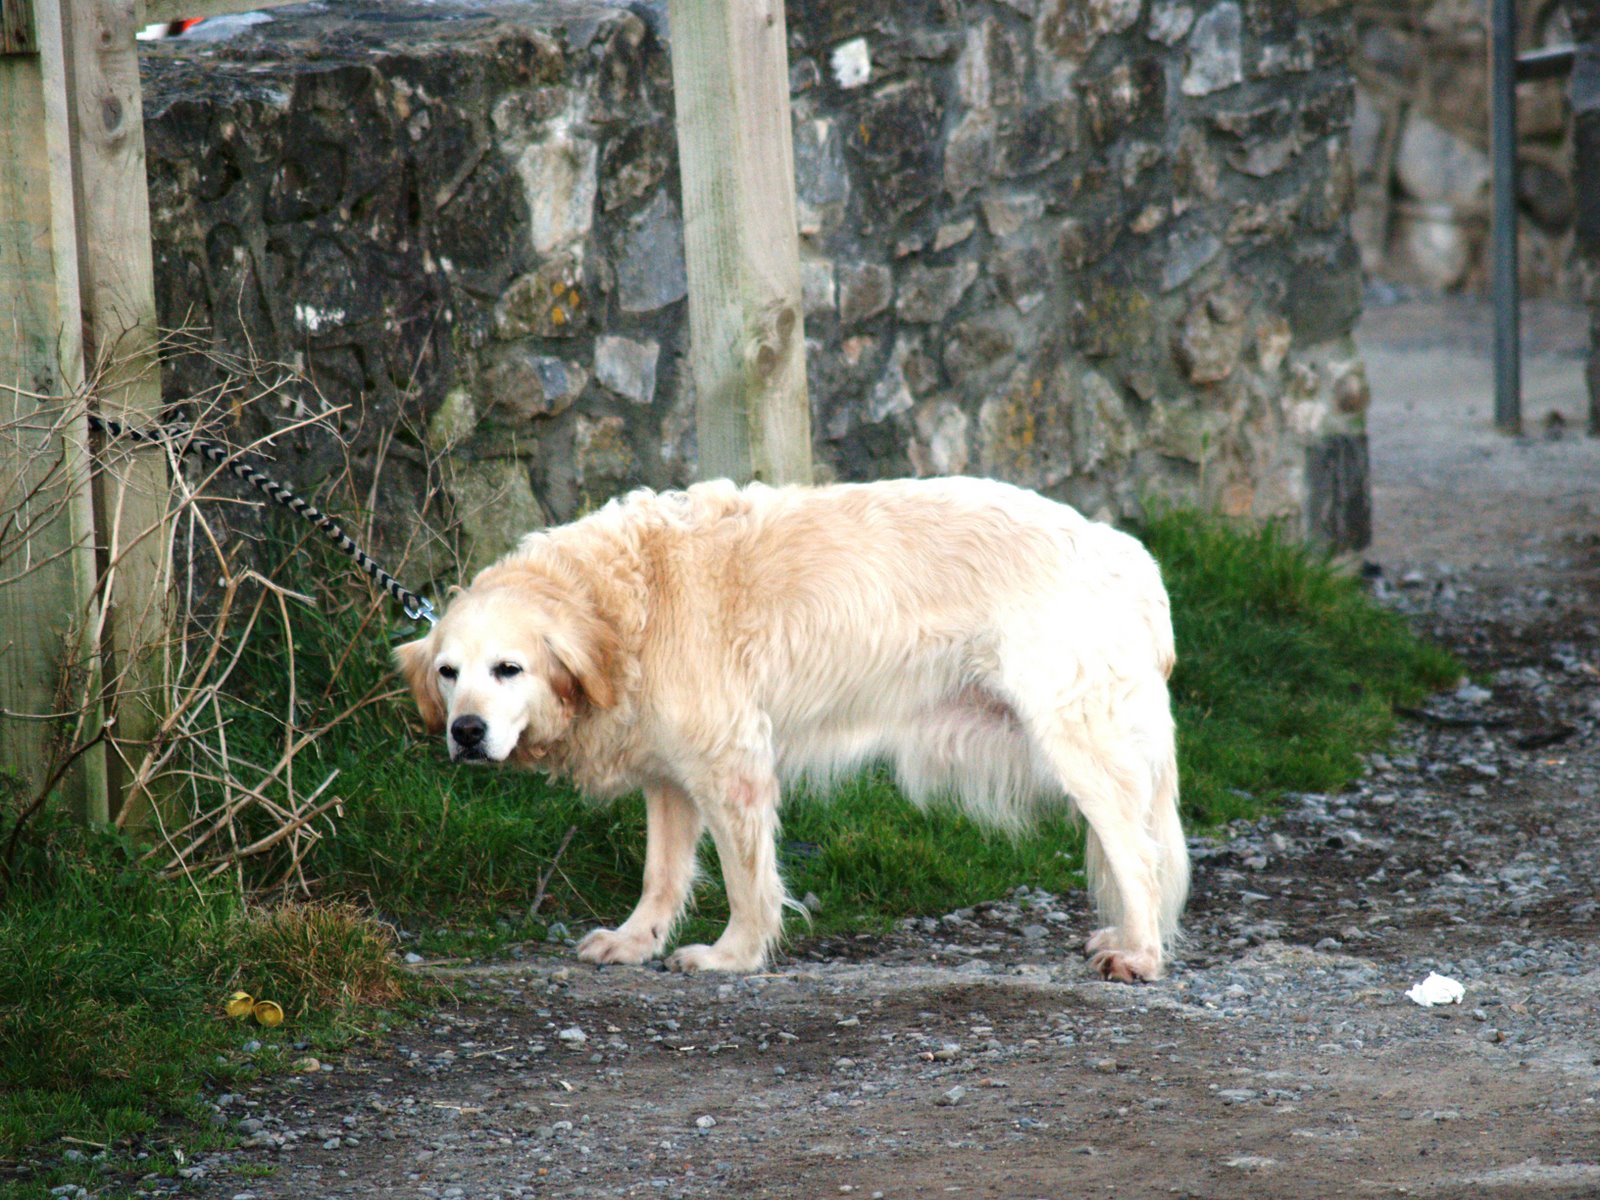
[(1437, 989)]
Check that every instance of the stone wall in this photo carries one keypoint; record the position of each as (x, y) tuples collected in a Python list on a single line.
[(1098, 247), (1421, 147)]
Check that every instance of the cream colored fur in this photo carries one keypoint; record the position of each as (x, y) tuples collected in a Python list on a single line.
[(994, 646)]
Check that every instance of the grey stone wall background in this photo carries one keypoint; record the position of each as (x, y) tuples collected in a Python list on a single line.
[(1098, 247), (1421, 148)]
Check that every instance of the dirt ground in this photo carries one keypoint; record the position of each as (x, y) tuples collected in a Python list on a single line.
[(973, 1055)]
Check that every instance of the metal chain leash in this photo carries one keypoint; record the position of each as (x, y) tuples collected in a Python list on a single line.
[(181, 436)]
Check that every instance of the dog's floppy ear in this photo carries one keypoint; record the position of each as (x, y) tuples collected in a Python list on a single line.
[(415, 660), (588, 651)]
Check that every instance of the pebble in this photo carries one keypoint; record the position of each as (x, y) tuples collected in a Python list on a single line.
[(952, 1097)]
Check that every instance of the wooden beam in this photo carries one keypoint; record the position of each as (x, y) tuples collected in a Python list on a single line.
[(17, 34), (117, 290), (48, 615), (730, 76)]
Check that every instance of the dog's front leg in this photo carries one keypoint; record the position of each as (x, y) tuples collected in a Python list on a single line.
[(672, 830), (742, 814)]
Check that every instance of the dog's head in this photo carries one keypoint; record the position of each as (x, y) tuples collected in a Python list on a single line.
[(509, 667)]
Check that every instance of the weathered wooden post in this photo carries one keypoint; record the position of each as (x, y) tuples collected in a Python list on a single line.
[(117, 287), (77, 315), (48, 617), (730, 74)]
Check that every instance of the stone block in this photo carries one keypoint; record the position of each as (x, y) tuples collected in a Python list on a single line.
[(896, 140), (1216, 51), (1208, 346), (865, 290), (942, 445), (891, 394), (544, 303), (1102, 433), (1007, 213), (928, 294), (627, 367), (560, 179), (1190, 248), (1065, 32), (1430, 244), (1438, 167), (1021, 274), (975, 350), (1170, 21), (650, 265), (969, 157), (1185, 431), (524, 383), (1324, 293), (634, 164), (818, 293), (989, 71), (453, 422), (1028, 142), (822, 177), (1129, 94), (604, 461), (1087, 239), (1024, 432), (494, 503)]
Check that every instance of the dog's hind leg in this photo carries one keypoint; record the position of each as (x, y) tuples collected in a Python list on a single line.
[(1123, 779), (672, 830), (741, 810)]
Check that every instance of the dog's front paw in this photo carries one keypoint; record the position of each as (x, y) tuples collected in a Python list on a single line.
[(713, 958), (617, 946)]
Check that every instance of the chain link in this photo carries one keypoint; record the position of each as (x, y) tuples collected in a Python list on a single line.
[(181, 436)]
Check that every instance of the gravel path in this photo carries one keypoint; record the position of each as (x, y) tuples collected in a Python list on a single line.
[(972, 1056)]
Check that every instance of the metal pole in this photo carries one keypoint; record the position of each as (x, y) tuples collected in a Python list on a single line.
[(1503, 221)]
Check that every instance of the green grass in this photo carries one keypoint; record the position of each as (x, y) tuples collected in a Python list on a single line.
[(111, 999), (1288, 672), (1287, 676)]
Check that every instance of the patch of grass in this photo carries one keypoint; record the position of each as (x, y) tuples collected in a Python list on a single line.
[(326, 960), (871, 856), (111, 993), (1288, 672)]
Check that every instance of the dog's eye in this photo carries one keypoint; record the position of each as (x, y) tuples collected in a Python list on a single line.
[(448, 672), (506, 670)]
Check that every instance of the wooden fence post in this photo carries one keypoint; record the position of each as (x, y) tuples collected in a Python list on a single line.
[(117, 287), (48, 616), (730, 76)]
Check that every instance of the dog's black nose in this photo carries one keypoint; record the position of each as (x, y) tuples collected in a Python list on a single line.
[(468, 731)]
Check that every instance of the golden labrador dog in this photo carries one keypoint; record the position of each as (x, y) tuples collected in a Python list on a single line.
[(707, 645)]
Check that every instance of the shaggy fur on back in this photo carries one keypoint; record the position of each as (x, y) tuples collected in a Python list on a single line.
[(705, 646)]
